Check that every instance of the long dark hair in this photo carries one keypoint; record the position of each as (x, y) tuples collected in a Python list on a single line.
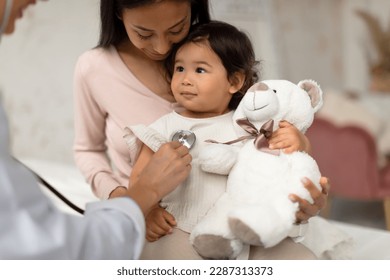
[(112, 30), (232, 46)]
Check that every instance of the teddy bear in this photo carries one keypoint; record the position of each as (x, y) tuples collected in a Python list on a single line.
[(256, 209)]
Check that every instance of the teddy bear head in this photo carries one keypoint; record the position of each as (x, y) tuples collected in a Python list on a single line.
[(280, 100)]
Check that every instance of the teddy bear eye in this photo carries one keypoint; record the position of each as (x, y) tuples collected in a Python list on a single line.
[(274, 90)]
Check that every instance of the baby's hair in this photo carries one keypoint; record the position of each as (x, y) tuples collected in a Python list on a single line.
[(231, 45)]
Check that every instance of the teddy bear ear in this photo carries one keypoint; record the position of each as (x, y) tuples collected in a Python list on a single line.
[(314, 91), (258, 87)]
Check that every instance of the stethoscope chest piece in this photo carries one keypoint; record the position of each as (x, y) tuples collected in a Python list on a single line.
[(186, 137)]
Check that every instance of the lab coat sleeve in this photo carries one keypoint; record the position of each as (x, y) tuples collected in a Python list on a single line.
[(31, 227), (115, 228)]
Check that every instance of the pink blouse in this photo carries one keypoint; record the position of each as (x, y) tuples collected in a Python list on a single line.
[(107, 98)]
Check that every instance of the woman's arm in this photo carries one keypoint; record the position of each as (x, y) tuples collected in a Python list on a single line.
[(89, 144)]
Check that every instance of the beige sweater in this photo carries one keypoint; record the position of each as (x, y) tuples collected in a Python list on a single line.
[(107, 97)]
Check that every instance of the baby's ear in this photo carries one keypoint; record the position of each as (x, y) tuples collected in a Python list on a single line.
[(236, 82), (314, 91)]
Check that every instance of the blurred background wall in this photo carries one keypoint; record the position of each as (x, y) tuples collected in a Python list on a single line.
[(296, 39), (36, 72)]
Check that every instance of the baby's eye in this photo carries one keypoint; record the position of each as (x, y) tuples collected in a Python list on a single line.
[(200, 70), (179, 69), (274, 90)]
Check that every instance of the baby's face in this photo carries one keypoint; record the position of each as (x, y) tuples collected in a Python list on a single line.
[(200, 82)]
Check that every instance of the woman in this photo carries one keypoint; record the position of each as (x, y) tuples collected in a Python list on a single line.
[(112, 89)]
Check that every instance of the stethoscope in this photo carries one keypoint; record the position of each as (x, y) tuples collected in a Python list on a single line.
[(186, 137), (52, 189)]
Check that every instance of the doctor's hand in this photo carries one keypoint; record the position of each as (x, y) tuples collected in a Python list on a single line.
[(159, 222), (306, 209), (162, 173)]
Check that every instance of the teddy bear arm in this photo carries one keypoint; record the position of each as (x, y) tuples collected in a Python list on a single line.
[(218, 158)]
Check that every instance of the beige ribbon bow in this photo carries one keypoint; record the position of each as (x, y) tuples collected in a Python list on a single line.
[(261, 136)]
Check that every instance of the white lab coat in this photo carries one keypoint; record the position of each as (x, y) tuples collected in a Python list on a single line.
[(31, 227)]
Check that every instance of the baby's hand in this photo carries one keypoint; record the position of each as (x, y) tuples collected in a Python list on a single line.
[(159, 222), (289, 139)]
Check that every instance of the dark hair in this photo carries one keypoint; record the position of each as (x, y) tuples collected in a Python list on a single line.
[(112, 30), (232, 46)]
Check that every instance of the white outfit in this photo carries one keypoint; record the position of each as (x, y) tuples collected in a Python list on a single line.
[(31, 227), (190, 201)]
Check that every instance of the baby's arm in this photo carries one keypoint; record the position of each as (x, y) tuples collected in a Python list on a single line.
[(159, 222), (289, 138)]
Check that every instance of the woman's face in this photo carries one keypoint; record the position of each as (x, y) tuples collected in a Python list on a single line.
[(16, 12), (154, 28)]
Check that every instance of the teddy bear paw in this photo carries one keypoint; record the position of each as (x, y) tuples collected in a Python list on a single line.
[(244, 232), (211, 246)]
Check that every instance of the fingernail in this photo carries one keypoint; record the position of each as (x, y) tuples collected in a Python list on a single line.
[(292, 198), (304, 180)]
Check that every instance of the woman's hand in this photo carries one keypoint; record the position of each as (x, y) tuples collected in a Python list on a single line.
[(306, 209), (289, 139), (159, 222)]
